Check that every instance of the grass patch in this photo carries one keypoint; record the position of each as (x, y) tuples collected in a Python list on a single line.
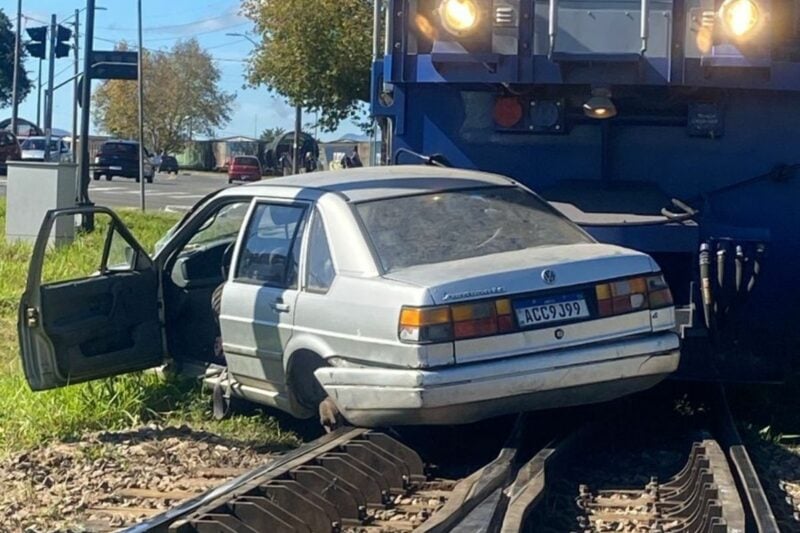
[(30, 419)]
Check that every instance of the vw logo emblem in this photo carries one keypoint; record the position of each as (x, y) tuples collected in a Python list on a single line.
[(548, 276), (559, 334)]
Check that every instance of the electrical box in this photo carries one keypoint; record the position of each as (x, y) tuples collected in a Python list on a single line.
[(33, 189)]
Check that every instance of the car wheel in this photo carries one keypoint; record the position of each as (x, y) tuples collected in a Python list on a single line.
[(329, 416), (230, 182), (137, 179), (108, 177), (309, 393), (149, 179), (96, 177)]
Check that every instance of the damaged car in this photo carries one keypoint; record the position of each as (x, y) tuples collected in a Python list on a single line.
[(375, 296)]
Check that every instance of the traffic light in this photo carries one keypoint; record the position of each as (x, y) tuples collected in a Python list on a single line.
[(37, 46), (62, 34)]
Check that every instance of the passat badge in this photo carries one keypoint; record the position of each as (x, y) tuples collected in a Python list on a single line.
[(548, 276)]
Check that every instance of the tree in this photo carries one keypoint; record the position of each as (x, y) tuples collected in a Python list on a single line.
[(316, 53), (7, 43), (270, 134), (181, 95)]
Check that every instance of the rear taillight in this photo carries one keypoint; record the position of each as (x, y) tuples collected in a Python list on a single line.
[(491, 317), (461, 321), (632, 294)]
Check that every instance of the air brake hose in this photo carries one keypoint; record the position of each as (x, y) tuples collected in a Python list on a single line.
[(756, 266), (739, 267), (705, 283), (721, 253)]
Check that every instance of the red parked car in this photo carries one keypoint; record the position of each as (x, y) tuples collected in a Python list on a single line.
[(9, 150), (244, 168)]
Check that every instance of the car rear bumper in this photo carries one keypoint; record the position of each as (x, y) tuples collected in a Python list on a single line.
[(470, 392), (244, 177)]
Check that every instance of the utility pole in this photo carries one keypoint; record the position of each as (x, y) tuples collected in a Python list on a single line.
[(86, 94), (48, 106), (39, 98), (298, 125), (76, 50), (15, 82), (141, 110)]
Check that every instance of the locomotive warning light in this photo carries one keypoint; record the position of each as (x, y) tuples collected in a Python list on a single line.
[(740, 17), (459, 16)]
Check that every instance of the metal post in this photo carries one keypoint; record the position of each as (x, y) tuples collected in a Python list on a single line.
[(39, 98), (141, 110), (15, 82), (48, 106), (298, 125), (75, 95), (86, 95)]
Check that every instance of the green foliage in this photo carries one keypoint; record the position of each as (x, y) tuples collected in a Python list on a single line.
[(316, 53), (29, 419), (270, 134), (181, 93), (7, 41)]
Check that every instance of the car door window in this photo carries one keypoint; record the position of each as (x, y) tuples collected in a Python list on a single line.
[(271, 248), (319, 267), (207, 253)]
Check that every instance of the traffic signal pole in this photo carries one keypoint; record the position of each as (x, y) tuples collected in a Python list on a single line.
[(86, 94), (48, 100), (75, 95), (15, 82)]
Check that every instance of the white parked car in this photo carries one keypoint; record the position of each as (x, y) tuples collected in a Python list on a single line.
[(387, 295), (33, 149)]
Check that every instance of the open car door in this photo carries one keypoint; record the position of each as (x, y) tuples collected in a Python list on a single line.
[(98, 326)]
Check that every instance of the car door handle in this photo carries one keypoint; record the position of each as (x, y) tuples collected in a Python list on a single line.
[(279, 306)]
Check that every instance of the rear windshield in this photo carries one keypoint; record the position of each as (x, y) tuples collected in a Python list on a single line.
[(38, 144), (120, 148), (252, 161), (446, 226)]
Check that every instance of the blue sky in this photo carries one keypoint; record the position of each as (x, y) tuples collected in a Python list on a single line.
[(165, 22)]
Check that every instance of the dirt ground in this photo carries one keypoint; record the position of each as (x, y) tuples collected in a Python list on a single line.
[(110, 480)]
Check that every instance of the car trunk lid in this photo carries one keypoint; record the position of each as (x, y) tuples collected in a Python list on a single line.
[(522, 271), (550, 293)]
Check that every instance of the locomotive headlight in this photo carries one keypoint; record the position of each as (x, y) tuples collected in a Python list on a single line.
[(459, 16), (740, 17)]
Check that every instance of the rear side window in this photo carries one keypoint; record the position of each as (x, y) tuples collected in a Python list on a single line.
[(271, 250), (319, 270), (452, 225), (250, 161)]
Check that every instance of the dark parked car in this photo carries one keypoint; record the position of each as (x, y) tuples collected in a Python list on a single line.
[(244, 168), (168, 165), (9, 150), (121, 158)]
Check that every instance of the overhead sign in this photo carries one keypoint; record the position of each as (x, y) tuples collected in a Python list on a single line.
[(114, 65)]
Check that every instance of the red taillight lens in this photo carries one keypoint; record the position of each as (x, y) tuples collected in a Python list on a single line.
[(456, 322), (633, 294)]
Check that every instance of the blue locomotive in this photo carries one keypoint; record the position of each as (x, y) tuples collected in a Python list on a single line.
[(669, 126)]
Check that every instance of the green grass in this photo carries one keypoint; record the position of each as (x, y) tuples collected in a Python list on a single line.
[(29, 419)]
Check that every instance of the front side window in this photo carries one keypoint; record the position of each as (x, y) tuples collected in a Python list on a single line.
[(451, 225), (271, 249), (319, 270)]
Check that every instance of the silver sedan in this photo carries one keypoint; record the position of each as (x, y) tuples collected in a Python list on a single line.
[(400, 295)]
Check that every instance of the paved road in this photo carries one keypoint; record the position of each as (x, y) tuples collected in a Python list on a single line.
[(165, 193)]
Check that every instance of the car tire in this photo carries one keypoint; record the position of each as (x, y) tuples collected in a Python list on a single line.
[(330, 418), (137, 179), (308, 392), (96, 177), (108, 177), (149, 179)]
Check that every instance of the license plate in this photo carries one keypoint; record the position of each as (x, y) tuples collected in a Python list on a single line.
[(114, 168), (535, 311)]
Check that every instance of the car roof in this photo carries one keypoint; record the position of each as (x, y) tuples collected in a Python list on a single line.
[(374, 183)]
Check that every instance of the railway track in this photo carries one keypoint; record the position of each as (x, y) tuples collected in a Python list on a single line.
[(599, 475)]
